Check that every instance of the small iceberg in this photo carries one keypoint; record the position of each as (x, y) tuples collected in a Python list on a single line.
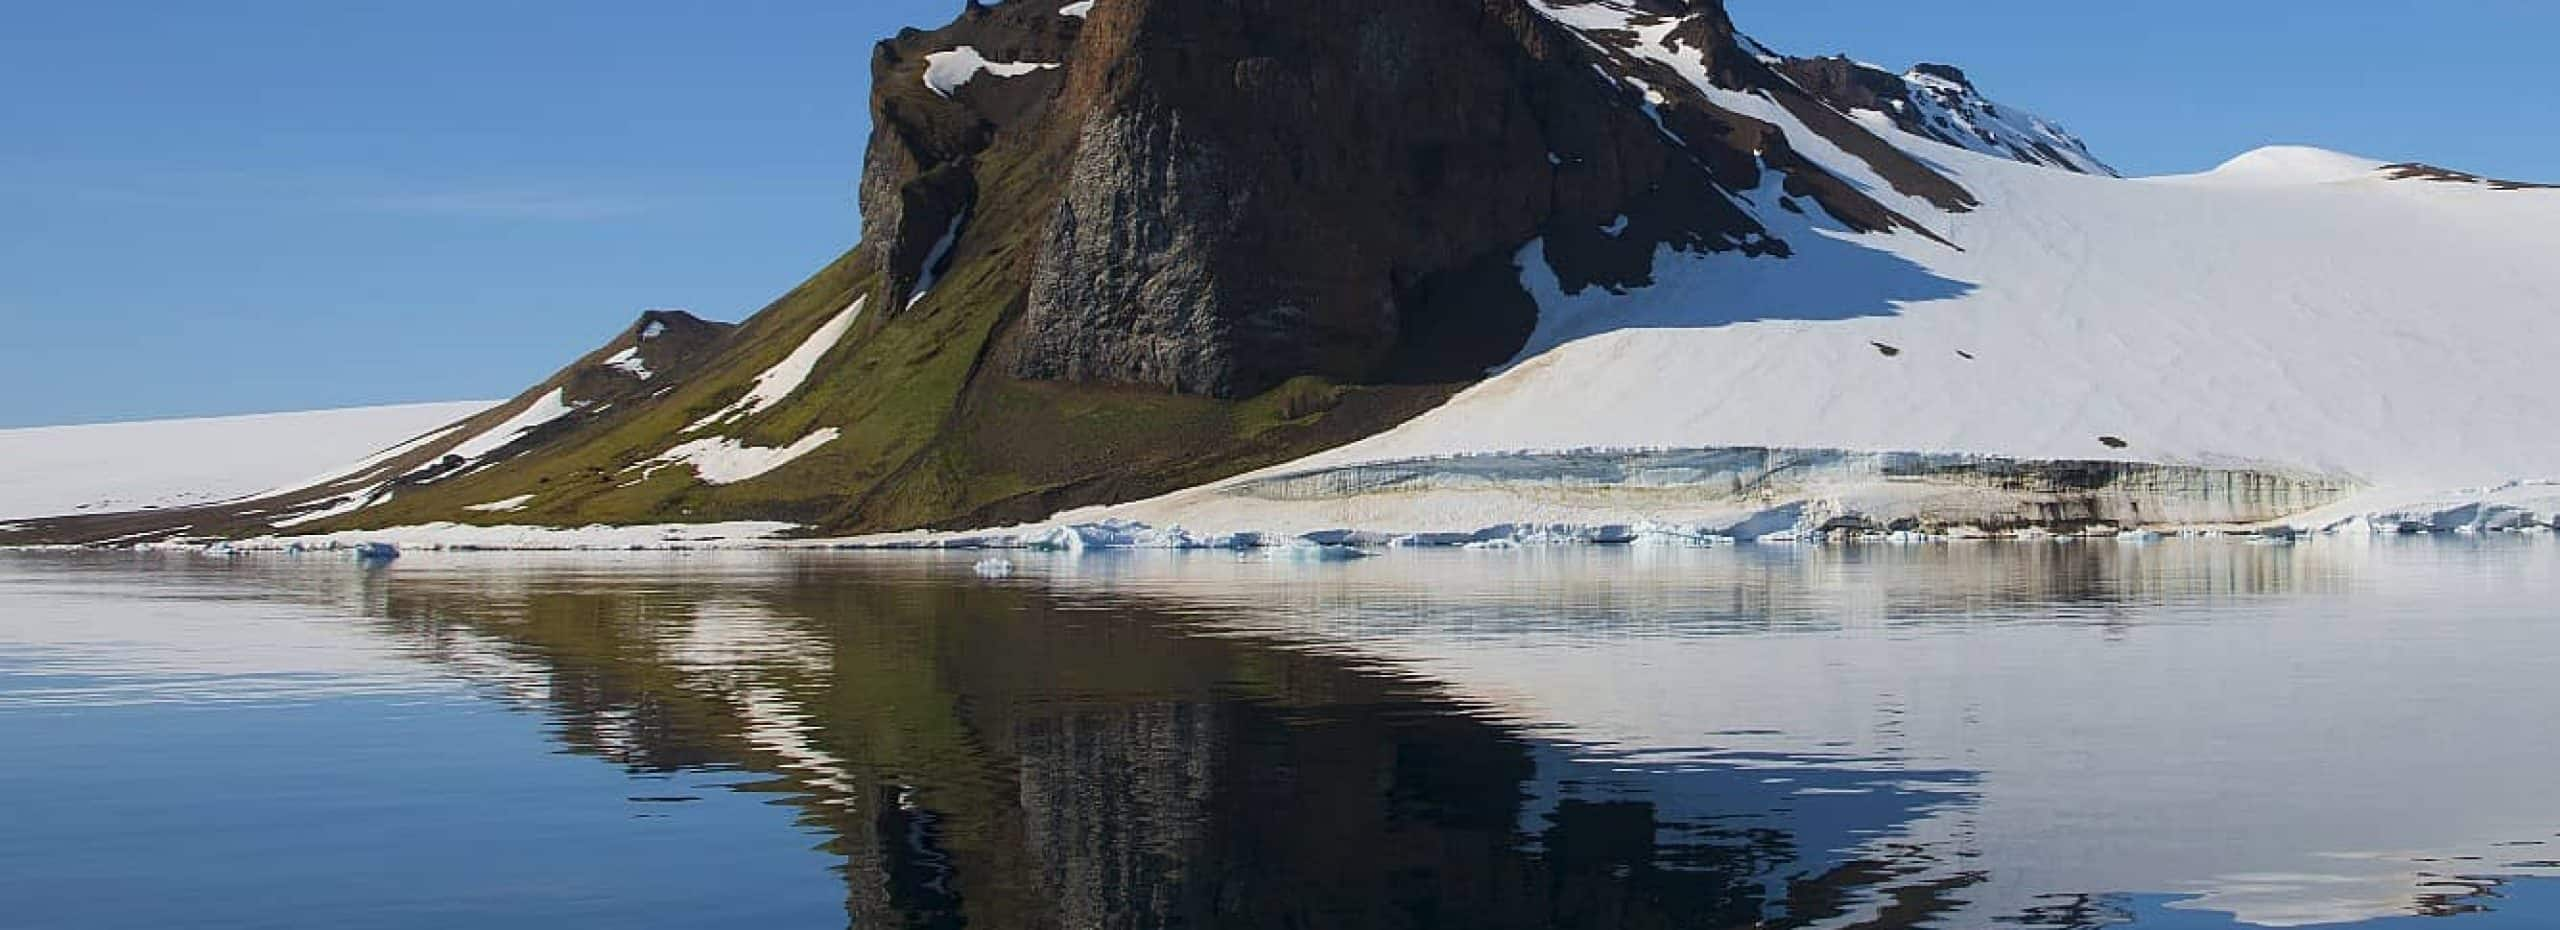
[(994, 566), (1305, 550), (376, 552)]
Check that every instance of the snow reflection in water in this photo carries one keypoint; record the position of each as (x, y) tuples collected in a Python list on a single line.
[(2057, 735)]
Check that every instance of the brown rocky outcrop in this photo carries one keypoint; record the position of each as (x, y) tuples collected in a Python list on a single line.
[(1245, 191)]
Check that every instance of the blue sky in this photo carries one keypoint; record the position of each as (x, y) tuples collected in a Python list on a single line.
[(223, 208)]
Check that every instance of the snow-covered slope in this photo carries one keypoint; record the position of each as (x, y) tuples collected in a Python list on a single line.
[(54, 470), (2369, 329), (2362, 325)]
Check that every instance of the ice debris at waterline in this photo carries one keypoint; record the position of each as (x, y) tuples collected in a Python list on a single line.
[(2517, 507)]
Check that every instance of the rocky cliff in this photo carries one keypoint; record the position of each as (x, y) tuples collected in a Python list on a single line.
[(1248, 191)]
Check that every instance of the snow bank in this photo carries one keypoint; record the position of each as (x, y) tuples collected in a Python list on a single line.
[(776, 384), (57, 470)]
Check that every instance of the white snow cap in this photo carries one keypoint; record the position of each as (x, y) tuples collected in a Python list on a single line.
[(2293, 164)]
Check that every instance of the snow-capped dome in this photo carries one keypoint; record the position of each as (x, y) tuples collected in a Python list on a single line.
[(2293, 164)]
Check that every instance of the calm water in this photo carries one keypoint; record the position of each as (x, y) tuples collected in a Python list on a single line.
[(2185, 735)]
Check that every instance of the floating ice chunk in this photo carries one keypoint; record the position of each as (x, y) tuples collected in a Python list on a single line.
[(376, 552), (1306, 550), (1083, 537), (994, 566), (1430, 540), (1125, 534)]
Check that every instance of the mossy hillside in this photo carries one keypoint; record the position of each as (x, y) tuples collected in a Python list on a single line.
[(932, 432), (581, 475)]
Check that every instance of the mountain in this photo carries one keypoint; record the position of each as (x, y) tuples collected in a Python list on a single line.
[(1447, 265)]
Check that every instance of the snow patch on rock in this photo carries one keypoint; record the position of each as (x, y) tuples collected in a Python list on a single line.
[(545, 409), (628, 361), (1963, 116), (776, 384), (509, 505), (947, 72), (933, 259), (721, 460)]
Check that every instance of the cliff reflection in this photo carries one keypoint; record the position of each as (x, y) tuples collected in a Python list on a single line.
[(1001, 756)]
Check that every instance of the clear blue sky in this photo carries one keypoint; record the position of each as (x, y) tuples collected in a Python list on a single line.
[(218, 208)]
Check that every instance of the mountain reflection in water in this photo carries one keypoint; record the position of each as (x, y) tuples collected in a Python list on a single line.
[(995, 756), (1569, 739)]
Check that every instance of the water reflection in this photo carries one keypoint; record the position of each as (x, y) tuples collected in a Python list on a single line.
[(2061, 736), (992, 756)]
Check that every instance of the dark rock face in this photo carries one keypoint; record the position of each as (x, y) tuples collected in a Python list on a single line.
[(1844, 83), (1260, 187), (1238, 192), (918, 178), (665, 345), (2417, 171)]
